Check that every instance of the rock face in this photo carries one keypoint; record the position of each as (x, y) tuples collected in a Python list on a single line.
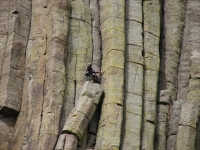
[(148, 53), (80, 116)]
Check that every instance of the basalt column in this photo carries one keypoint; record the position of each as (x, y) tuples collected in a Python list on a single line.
[(112, 18), (171, 38), (189, 111), (183, 81), (96, 63), (14, 32), (15, 17), (58, 14), (32, 100), (187, 88), (79, 54), (132, 119), (37, 125), (151, 13)]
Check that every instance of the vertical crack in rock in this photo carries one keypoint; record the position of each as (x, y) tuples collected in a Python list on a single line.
[(171, 38), (43, 90), (42, 72), (173, 21), (187, 126), (14, 33), (191, 45), (35, 61), (188, 74), (6, 128), (5, 9), (61, 142), (134, 62), (151, 10), (80, 116), (97, 51), (97, 57), (79, 55), (112, 16), (16, 28), (57, 24), (74, 102), (162, 120)]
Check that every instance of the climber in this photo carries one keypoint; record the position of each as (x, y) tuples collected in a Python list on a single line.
[(89, 69), (91, 74), (94, 74)]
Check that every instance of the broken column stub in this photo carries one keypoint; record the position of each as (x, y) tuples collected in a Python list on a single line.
[(165, 96), (187, 126), (82, 113)]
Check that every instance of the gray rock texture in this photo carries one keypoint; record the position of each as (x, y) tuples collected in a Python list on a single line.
[(148, 55), (151, 13), (80, 116), (134, 63), (187, 126)]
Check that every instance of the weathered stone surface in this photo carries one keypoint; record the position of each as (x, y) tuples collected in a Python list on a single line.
[(93, 127), (96, 35), (162, 120), (4, 8), (173, 22), (82, 113), (132, 121), (55, 71), (82, 143), (187, 126), (61, 142), (15, 28), (187, 88), (79, 54), (113, 47), (132, 117), (44, 77), (189, 37), (134, 10), (6, 128), (194, 82), (71, 142), (77, 122), (186, 138), (173, 124), (149, 136), (165, 96), (108, 136), (91, 141), (151, 12), (42, 72), (193, 93)]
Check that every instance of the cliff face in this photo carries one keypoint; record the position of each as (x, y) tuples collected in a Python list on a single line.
[(148, 52)]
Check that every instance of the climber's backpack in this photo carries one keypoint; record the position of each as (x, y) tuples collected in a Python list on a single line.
[(89, 68)]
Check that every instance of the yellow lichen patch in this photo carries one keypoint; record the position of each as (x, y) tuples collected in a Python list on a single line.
[(113, 47)]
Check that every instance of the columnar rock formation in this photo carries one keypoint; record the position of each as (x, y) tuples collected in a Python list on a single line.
[(134, 68), (80, 116), (151, 13), (113, 49), (147, 51)]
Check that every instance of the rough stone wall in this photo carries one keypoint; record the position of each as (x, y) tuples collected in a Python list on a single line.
[(151, 13), (134, 67), (169, 79), (15, 27), (148, 55), (112, 27)]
